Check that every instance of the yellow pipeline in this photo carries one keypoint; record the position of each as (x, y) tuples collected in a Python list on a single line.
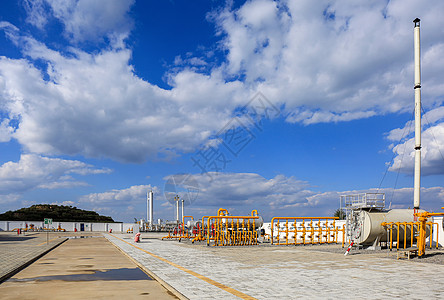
[(222, 210), (422, 229), (185, 234), (241, 235), (201, 234), (180, 232), (414, 227)]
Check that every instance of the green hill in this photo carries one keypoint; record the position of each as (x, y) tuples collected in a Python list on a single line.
[(58, 213)]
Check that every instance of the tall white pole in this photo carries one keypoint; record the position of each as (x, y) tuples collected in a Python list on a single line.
[(182, 209), (151, 197), (177, 208), (417, 87), (148, 206)]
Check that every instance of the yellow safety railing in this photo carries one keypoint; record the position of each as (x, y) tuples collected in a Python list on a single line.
[(305, 230)]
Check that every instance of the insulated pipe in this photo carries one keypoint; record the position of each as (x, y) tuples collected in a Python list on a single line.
[(417, 87)]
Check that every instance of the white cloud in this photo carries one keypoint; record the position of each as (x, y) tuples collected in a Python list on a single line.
[(284, 196), (242, 192), (334, 61), (238, 192), (37, 172), (37, 14), (8, 199), (5, 131), (323, 62), (132, 195), (432, 153), (95, 106), (123, 204), (83, 20), (432, 141)]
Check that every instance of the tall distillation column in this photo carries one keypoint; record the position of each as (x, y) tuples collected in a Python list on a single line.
[(417, 87)]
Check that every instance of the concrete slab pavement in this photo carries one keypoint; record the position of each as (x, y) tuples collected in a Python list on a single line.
[(18, 251), (286, 272), (83, 268)]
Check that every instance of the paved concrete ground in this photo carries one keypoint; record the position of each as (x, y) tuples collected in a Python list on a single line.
[(281, 272), (32, 246), (82, 268)]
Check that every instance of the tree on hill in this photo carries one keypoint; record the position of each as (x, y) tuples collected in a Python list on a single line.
[(59, 213)]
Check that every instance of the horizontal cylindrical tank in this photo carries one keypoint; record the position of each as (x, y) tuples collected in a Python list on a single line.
[(367, 228)]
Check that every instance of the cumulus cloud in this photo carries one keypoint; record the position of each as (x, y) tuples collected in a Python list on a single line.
[(281, 196), (5, 131), (238, 192), (94, 105), (124, 204), (432, 199), (38, 172), (242, 192), (331, 62), (116, 197), (432, 141), (248, 188), (83, 20), (321, 62)]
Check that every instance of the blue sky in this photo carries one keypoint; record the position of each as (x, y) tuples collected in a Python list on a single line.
[(285, 105)]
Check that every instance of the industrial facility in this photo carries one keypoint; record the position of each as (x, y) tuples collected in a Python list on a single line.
[(241, 142)]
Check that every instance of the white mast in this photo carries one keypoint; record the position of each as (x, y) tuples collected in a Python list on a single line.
[(417, 180), (177, 208), (182, 208), (150, 209)]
